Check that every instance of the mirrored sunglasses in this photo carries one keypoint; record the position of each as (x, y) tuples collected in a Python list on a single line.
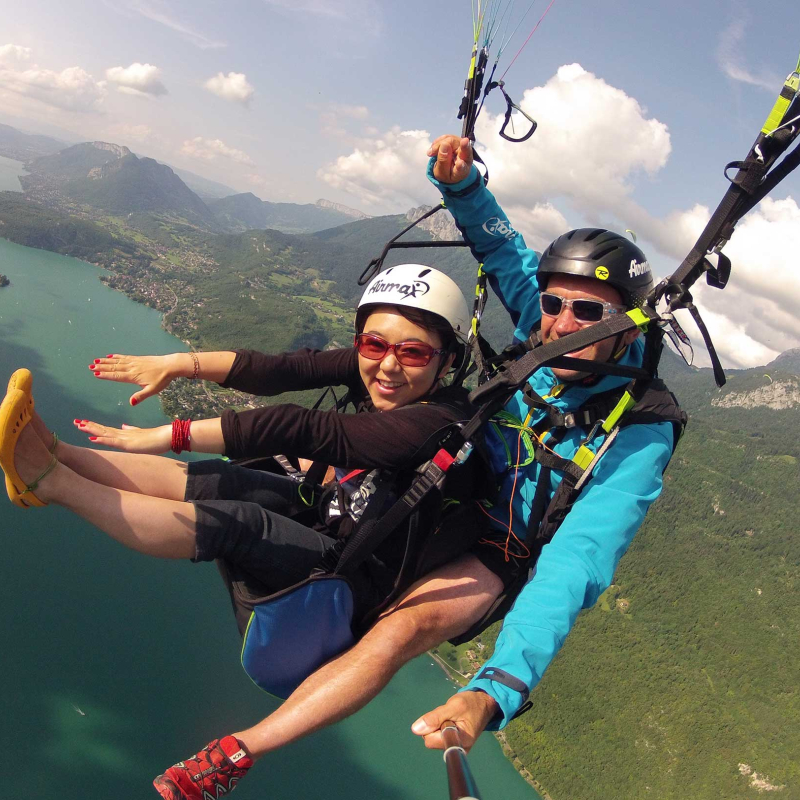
[(409, 354), (584, 310)]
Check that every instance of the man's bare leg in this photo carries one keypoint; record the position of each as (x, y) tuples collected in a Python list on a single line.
[(151, 525), (442, 605), (145, 474)]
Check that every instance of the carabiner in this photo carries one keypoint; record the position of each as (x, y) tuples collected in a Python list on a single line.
[(512, 106)]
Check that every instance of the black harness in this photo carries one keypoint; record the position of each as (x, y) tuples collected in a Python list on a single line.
[(656, 405)]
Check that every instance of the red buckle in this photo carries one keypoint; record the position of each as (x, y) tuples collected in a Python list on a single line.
[(350, 475), (443, 460)]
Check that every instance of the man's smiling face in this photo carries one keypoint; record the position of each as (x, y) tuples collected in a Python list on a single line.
[(573, 287)]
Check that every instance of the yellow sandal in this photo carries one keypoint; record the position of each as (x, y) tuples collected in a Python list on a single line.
[(23, 381), (15, 413)]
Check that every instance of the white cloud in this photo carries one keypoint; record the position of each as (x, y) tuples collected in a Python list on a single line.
[(212, 149), (539, 224), (577, 154), (384, 173), (137, 79), (592, 141), (233, 86), (71, 89), (730, 60), (14, 54), (755, 317)]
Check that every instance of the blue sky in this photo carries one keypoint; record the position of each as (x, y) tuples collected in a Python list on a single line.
[(301, 99)]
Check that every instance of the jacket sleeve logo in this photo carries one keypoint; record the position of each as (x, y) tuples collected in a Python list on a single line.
[(495, 226)]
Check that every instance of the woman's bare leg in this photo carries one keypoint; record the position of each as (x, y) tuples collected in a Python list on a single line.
[(154, 526), (156, 476), (439, 606)]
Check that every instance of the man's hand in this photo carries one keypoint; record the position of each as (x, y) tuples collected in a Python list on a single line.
[(453, 158), (471, 712)]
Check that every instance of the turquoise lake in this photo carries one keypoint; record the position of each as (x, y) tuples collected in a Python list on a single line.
[(148, 650)]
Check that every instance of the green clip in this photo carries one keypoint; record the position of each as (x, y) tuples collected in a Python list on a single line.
[(626, 403), (639, 317), (306, 502), (583, 457), (790, 89)]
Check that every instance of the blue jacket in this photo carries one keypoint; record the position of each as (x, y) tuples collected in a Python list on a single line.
[(578, 565)]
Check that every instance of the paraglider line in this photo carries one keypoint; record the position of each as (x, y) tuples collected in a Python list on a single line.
[(528, 39)]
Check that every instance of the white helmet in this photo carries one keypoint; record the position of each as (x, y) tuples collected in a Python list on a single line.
[(425, 288)]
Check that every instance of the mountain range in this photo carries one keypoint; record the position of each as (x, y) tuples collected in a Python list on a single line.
[(111, 178)]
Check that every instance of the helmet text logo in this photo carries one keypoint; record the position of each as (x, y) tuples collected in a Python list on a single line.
[(637, 268), (601, 273), (499, 227), (415, 289)]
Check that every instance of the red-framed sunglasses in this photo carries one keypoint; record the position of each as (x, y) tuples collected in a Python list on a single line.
[(409, 354)]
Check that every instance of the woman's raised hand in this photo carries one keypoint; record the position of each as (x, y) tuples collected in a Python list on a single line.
[(129, 438), (152, 373), (453, 158)]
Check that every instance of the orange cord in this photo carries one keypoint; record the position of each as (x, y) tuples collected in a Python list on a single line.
[(526, 552)]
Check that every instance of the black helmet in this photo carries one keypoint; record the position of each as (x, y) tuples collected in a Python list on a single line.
[(602, 255)]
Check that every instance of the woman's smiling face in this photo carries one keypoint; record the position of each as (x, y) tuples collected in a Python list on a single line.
[(391, 384)]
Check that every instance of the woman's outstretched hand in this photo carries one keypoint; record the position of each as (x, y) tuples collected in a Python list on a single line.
[(129, 438), (152, 373), (453, 158)]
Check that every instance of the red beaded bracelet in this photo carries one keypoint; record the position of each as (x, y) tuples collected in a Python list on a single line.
[(181, 435)]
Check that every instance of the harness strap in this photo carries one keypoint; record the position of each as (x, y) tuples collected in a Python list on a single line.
[(371, 532), (516, 373)]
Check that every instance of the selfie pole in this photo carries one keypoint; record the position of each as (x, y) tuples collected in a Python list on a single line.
[(462, 784)]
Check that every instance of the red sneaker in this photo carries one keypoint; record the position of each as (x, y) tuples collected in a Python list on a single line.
[(210, 774)]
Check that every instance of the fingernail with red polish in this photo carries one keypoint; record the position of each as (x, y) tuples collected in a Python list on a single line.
[(134, 401), (76, 421), (91, 366), (110, 355), (97, 361), (92, 438)]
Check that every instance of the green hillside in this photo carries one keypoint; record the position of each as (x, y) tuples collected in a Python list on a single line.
[(131, 184), (34, 226)]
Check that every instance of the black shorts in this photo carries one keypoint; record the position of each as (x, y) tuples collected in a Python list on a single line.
[(242, 521)]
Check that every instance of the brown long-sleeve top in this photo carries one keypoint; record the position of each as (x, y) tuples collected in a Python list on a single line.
[(385, 440)]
